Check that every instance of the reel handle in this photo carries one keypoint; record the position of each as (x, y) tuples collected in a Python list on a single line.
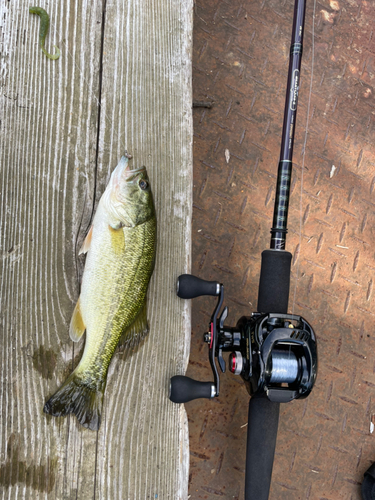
[(184, 389), (189, 287)]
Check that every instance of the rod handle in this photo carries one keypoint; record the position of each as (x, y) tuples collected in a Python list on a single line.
[(184, 389), (189, 287), (261, 442), (274, 281)]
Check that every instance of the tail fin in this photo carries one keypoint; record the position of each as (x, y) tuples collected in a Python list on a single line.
[(76, 396)]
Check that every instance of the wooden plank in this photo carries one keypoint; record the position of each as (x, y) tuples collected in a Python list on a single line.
[(51, 177), (147, 62)]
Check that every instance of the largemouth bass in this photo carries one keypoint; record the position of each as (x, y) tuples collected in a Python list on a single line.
[(120, 249)]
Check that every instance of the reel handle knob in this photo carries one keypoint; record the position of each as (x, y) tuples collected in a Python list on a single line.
[(184, 389), (189, 287)]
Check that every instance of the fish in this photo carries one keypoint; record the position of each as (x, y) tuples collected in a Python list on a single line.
[(112, 306), (44, 25)]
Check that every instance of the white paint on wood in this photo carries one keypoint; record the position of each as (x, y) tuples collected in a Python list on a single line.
[(49, 183)]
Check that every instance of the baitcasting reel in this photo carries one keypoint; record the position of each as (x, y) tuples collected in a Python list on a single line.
[(275, 354)]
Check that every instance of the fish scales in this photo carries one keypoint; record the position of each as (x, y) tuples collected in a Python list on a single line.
[(120, 249), (129, 278)]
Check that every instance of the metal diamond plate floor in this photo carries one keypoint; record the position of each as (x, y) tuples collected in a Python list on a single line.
[(240, 63)]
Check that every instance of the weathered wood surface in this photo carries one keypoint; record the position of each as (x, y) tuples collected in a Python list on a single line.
[(57, 149)]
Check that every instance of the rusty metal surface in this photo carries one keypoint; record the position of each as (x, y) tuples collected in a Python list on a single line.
[(240, 62)]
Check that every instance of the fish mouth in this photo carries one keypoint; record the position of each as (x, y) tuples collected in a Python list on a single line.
[(130, 172), (131, 175), (124, 171), (125, 166)]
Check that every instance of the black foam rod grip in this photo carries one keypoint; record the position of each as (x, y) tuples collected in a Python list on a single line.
[(274, 282), (184, 389), (260, 450), (189, 286)]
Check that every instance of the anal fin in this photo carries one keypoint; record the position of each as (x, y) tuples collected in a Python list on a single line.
[(77, 327), (137, 331)]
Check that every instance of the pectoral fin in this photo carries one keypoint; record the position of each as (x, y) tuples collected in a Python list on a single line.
[(86, 244), (137, 331), (77, 327)]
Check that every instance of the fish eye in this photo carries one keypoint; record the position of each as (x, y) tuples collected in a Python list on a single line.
[(143, 184)]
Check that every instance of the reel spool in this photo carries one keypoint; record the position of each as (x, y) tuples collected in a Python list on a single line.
[(284, 369)]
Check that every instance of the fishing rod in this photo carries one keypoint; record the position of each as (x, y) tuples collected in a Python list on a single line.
[(274, 352)]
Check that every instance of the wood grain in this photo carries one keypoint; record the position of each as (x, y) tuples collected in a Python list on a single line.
[(57, 149)]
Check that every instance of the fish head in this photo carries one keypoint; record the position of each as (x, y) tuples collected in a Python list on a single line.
[(129, 198)]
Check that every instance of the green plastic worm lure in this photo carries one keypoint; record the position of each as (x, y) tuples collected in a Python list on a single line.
[(44, 25)]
